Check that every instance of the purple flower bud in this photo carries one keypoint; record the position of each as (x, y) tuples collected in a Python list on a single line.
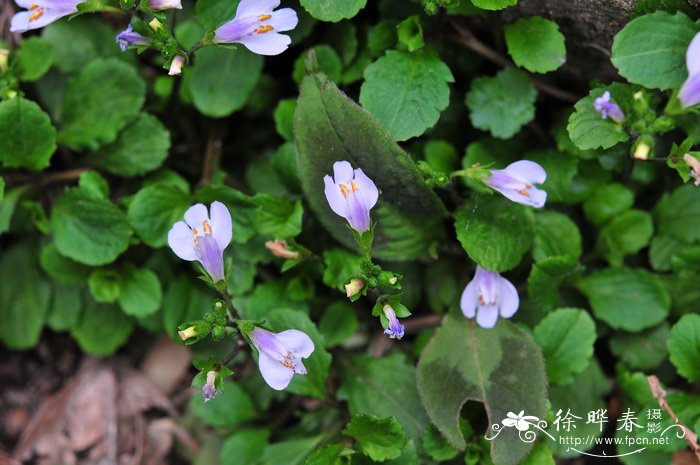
[(202, 238), (41, 13), (176, 66), (209, 389), (689, 94), (159, 5), (395, 329), (128, 38), (487, 296), (258, 28), (516, 182), (607, 108), (351, 194), (279, 355), (694, 165)]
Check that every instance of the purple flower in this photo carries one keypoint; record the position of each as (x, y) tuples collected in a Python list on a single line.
[(203, 238), (395, 329), (516, 182), (41, 13), (128, 38), (607, 108), (258, 28), (487, 296), (689, 94), (159, 5), (209, 389), (351, 194), (279, 355)]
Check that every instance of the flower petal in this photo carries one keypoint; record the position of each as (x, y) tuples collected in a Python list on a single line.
[(196, 215), (469, 299), (276, 375), (181, 241), (221, 227), (342, 172), (527, 171), (689, 94), (369, 190), (299, 367), (358, 214), (283, 20), (538, 197), (21, 21), (335, 197), (487, 316), (297, 342), (692, 56), (269, 44), (510, 301), (255, 7)]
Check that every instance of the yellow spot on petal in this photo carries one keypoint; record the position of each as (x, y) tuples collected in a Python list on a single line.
[(207, 228), (353, 185), (264, 17), (263, 29), (344, 190), (38, 12), (524, 192)]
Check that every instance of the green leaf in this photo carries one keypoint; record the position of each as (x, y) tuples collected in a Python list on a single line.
[(607, 202), (437, 447), (502, 104), (379, 438), (25, 296), (27, 138), (89, 230), (495, 232), (102, 84), (244, 447), (221, 80), (566, 337), (536, 44), (34, 58), (291, 452), (341, 265), (140, 148), (141, 293), (493, 4), (186, 299), (384, 387), (79, 41), (684, 346), (329, 63), (678, 214), (229, 409), (333, 10), (588, 130), (555, 235), (626, 298), (102, 329), (66, 307), (540, 455), (330, 127), (284, 118), (105, 285), (500, 367), (662, 251), (545, 278), (410, 34), (561, 169), (314, 383), (94, 183), (338, 323), (62, 269), (650, 50), (626, 234), (407, 91), (154, 210), (641, 351), (277, 216), (328, 455)]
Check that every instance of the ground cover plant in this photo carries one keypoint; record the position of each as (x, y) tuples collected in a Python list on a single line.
[(333, 232)]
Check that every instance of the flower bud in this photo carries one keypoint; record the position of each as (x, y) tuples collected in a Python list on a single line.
[(209, 389), (643, 147), (155, 24), (159, 5), (176, 66), (694, 164), (4, 54), (280, 249), (187, 333), (388, 279), (354, 287)]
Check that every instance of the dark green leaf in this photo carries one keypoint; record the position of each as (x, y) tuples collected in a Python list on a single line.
[(333, 10), (27, 138), (379, 438), (588, 130), (34, 58), (230, 408), (536, 44), (153, 211), (141, 293), (102, 329), (684, 346)]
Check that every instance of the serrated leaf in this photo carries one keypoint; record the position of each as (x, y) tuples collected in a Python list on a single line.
[(407, 91), (333, 10), (626, 298), (141, 147), (678, 214), (329, 127), (500, 367), (34, 58), (650, 50), (641, 351), (566, 337), (625, 234), (27, 137), (493, 4), (153, 211), (536, 44), (221, 80), (379, 438), (80, 40), (684, 346), (141, 294), (607, 202), (102, 329), (502, 104), (555, 235), (588, 130), (545, 278), (102, 84), (495, 232), (87, 229)]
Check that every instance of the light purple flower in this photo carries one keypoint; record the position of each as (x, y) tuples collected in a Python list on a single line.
[(689, 94), (128, 38), (487, 296), (608, 109), (203, 238), (258, 28), (279, 355), (176, 66), (694, 165), (209, 389), (516, 182), (395, 329), (351, 194), (41, 13), (159, 5)]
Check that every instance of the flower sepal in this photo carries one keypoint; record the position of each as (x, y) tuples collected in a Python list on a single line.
[(477, 172), (431, 176), (364, 240)]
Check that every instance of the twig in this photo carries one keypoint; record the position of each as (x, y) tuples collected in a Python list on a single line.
[(467, 39), (659, 394), (44, 178), (416, 324), (212, 154)]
